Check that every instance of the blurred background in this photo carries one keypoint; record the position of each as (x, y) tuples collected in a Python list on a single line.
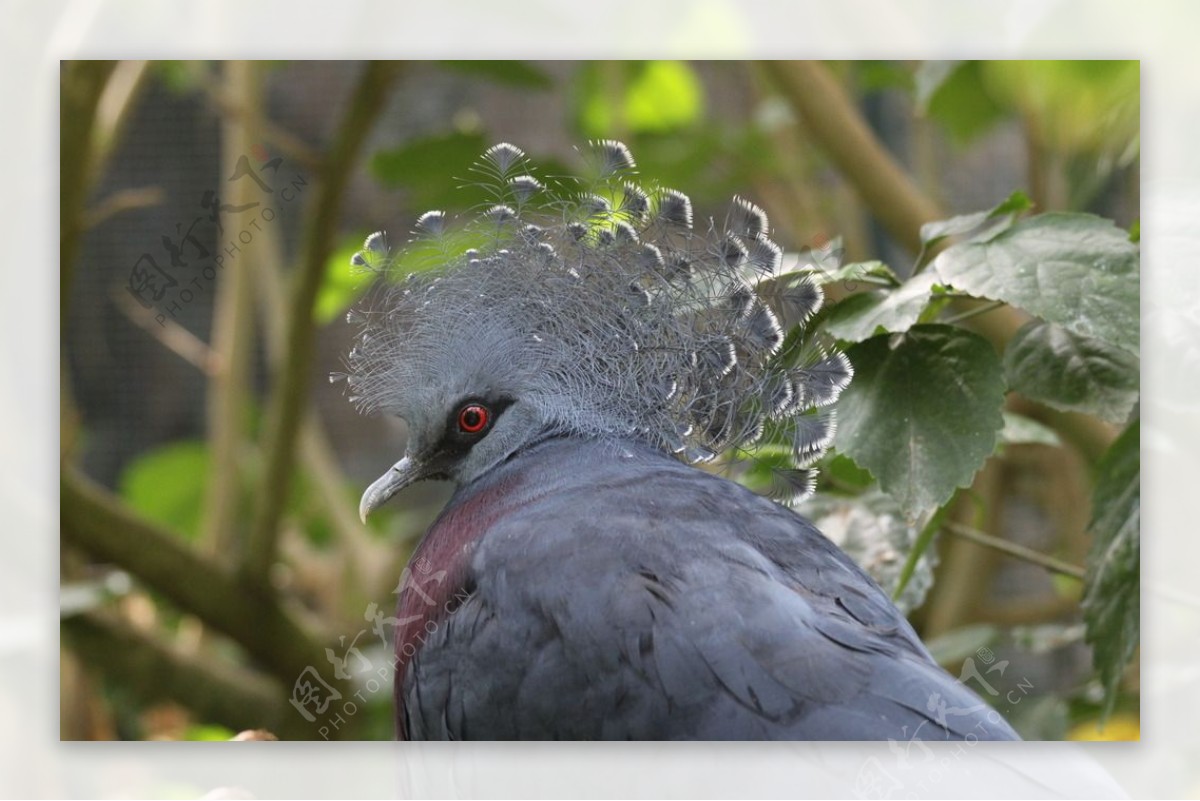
[(209, 211)]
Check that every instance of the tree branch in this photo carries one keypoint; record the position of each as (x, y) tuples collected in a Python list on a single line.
[(1017, 551), (81, 84), (290, 389), (152, 672), (232, 343), (836, 124), (94, 520)]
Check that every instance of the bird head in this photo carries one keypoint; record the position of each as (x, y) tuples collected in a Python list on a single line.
[(591, 308)]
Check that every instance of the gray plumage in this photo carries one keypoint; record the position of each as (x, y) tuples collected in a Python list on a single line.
[(610, 313), (574, 349)]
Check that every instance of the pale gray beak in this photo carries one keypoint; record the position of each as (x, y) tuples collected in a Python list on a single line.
[(401, 474)]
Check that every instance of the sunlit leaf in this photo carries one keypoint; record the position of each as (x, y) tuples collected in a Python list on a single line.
[(1073, 105), (343, 283), (639, 97), (982, 225)]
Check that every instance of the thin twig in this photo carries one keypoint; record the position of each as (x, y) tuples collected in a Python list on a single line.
[(151, 671), (170, 334), (837, 125), (290, 393), (82, 83), (122, 201), (975, 312), (114, 110), (94, 520), (362, 567), (1017, 551), (233, 109)]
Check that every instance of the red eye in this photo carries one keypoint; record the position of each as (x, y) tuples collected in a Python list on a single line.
[(473, 418)]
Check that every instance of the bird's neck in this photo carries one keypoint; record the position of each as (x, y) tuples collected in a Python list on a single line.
[(437, 580)]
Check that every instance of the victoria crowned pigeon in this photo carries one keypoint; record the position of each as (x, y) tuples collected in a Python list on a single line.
[(567, 357)]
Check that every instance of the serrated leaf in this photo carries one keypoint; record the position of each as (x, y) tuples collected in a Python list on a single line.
[(1048, 363), (167, 485), (1021, 430), (982, 224), (922, 416), (1111, 602), (1076, 270), (894, 310)]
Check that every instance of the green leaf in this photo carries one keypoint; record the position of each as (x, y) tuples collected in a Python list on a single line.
[(511, 73), (208, 732), (1084, 105), (875, 76), (180, 77), (867, 272), (1076, 270), (1048, 363), (928, 79), (963, 104), (343, 283), (863, 315), (1021, 430), (665, 96), (982, 224), (922, 415), (421, 165), (648, 97), (168, 485), (844, 474), (1111, 606)]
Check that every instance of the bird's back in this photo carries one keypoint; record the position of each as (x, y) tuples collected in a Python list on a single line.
[(612, 592)]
